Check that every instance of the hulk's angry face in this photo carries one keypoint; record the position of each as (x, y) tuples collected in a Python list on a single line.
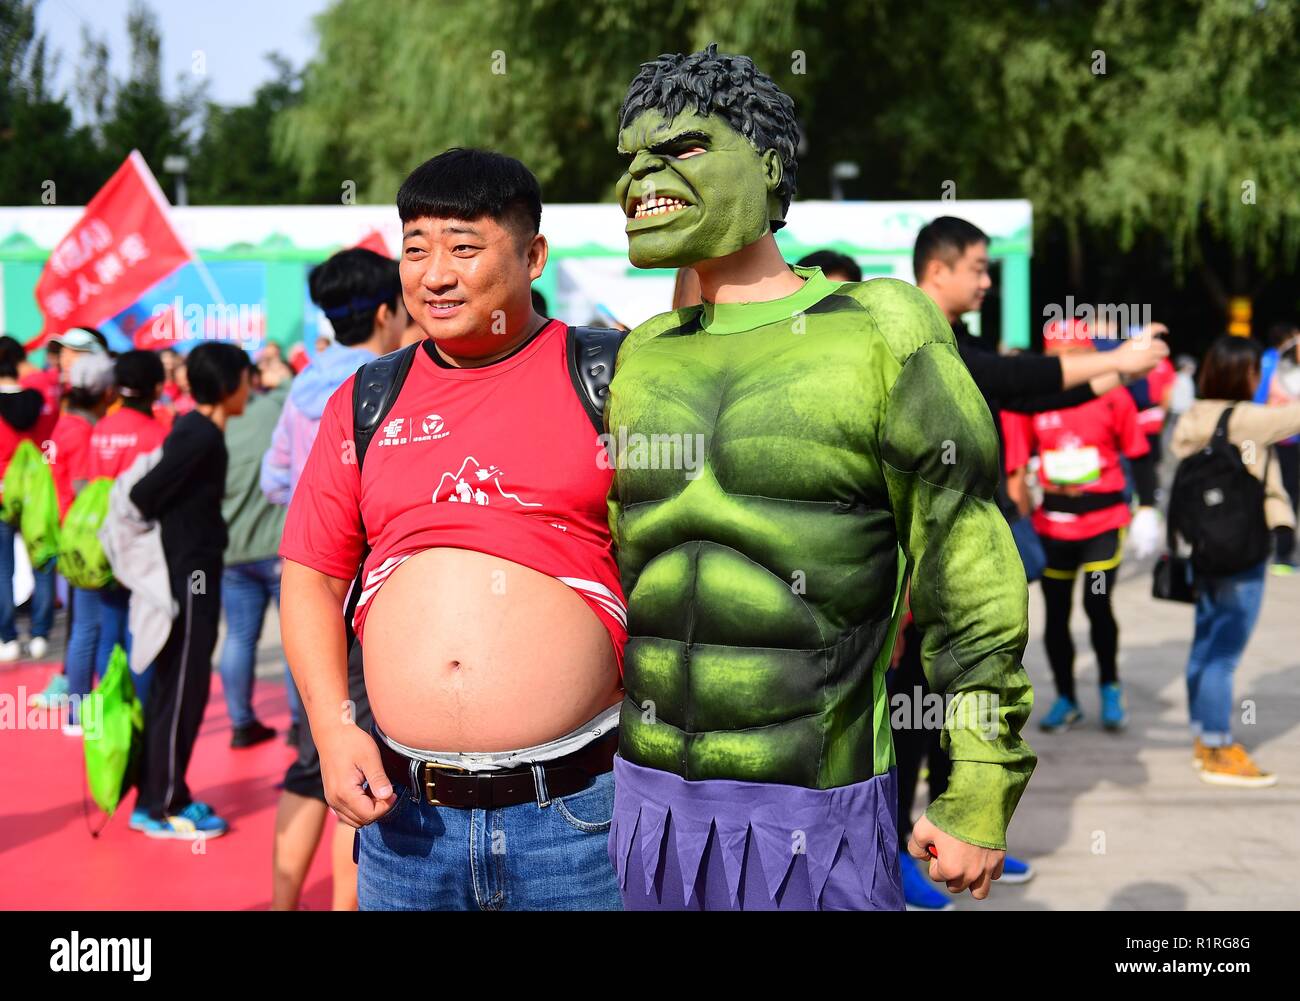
[(695, 189)]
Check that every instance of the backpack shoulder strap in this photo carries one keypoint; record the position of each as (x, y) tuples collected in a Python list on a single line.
[(591, 352), (1221, 428), (375, 391)]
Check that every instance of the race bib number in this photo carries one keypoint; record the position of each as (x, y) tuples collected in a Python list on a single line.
[(1072, 466)]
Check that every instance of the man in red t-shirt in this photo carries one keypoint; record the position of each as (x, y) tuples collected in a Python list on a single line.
[(489, 608), (1082, 521)]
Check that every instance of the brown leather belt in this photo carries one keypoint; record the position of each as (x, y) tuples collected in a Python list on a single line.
[(445, 785)]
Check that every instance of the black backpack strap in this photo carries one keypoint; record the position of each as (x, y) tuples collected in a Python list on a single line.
[(591, 352), (374, 392), (1221, 429)]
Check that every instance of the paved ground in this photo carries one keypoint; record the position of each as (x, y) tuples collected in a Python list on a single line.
[(1109, 821), (1121, 822)]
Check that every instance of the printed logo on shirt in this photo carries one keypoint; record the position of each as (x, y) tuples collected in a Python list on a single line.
[(477, 484), (399, 432), (393, 432), (431, 428)]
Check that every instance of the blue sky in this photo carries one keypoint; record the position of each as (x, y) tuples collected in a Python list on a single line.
[(233, 36)]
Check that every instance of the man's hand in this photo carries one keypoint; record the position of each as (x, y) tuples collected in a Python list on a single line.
[(349, 758), (1142, 352), (961, 866)]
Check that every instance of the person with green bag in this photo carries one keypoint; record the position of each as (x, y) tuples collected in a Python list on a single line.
[(26, 414), (83, 502)]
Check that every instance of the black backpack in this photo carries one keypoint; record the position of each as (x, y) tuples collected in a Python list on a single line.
[(1217, 506)]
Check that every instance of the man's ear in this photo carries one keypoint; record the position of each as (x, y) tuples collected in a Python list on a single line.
[(538, 252), (773, 169)]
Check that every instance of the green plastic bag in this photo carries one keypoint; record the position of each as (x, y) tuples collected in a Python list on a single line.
[(40, 518), (81, 556), (15, 483), (31, 502), (112, 722)]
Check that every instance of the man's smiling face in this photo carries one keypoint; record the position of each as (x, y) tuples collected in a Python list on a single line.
[(695, 189)]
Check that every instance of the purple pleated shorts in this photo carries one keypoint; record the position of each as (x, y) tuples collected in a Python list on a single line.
[(722, 845)]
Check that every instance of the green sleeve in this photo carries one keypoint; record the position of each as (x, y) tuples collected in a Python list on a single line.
[(939, 454)]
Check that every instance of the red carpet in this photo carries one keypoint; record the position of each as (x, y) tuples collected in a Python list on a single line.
[(51, 862)]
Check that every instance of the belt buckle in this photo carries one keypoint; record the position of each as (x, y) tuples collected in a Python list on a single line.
[(428, 779)]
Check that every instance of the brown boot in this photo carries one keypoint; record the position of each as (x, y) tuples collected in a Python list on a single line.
[(1199, 753), (1232, 766)]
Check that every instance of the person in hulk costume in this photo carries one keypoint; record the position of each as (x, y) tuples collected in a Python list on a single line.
[(846, 450)]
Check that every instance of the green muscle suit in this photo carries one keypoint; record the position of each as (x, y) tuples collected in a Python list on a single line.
[(841, 432)]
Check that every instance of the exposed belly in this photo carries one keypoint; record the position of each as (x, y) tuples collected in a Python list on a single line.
[(468, 652)]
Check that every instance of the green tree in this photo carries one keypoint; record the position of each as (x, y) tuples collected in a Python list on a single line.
[(44, 157), (233, 161)]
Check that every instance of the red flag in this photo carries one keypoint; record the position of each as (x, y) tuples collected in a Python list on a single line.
[(122, 245), (374, 240)]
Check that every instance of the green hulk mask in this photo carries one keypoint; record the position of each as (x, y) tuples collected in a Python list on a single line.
[(763, 590), (696, 189)]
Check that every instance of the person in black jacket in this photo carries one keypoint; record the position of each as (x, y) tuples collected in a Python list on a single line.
[(951, 264), (183, 492)]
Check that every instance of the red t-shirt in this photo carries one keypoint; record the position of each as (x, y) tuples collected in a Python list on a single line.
[(1079, 446), (500, 460), (69, 457), (118, 439), (39, 432)]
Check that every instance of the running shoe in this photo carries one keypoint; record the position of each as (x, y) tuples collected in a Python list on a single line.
[(1063, 715), (55, 693), (1015, 870), (194, 822), (1232, 766), (920, 893), (139, 819), (251, 735), (38, 648), (1199, 753), (10, 651), (1113, 716)]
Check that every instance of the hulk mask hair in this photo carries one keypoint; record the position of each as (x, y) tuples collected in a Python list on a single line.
[(712, 147)]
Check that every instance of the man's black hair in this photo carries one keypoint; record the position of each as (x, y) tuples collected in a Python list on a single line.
[(833, 262), (214, 369), (732, 88), (470, 184), (138, 374), (350, 287), (947, 239), (11, 354)]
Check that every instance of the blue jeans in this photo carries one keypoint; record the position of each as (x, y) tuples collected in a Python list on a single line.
[(42, 591), (246, 590), (1226, 611), (114, 602), (79, 662), (514, 858)]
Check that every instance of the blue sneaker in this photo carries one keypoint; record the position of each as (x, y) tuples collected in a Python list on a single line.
[(1063, 715), (1015, 870), (195, 822), (54, 694), (1113, 716), (920, 893), (139, 820)]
